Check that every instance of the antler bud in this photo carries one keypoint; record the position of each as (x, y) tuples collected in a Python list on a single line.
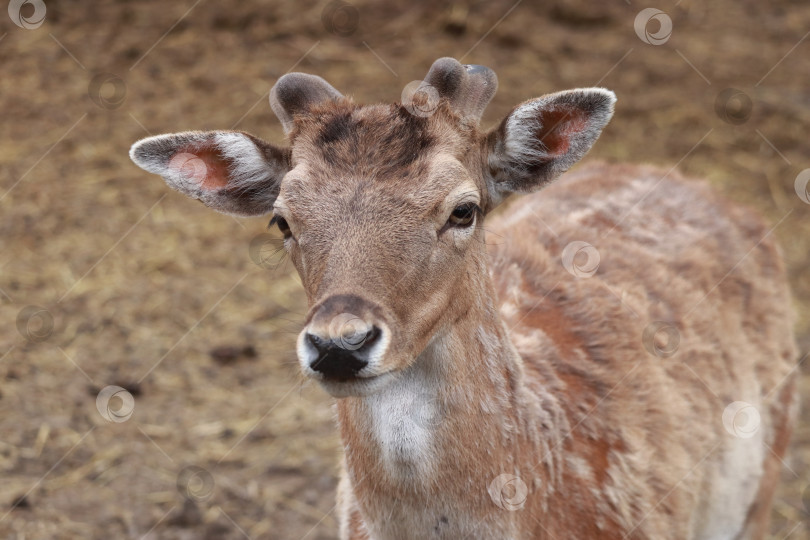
[(468, 88)]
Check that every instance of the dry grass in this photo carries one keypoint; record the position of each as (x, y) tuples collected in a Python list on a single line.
[(143, 284)]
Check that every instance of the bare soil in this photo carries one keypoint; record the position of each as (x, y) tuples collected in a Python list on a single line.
[(142, 288)]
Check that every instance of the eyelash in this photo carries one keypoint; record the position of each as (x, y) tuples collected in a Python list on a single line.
[(468, 213), (282, 224)]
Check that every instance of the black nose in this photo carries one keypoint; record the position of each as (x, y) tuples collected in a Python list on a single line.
[(343, 357)]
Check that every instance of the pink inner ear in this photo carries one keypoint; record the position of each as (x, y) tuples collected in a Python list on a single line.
[(203, 166), (557, 127)]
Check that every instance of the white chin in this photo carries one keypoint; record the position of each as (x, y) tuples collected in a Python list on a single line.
[(357, 387)]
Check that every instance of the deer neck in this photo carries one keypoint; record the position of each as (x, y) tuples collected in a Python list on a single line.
[(462, 404)]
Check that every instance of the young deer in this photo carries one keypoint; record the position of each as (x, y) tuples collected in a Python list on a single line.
[(508, 389)]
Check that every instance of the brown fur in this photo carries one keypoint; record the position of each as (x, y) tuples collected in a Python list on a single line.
[(524, 369), (688, 228), (584, 386)]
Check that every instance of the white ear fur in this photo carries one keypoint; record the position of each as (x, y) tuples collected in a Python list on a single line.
[(249, 165), (226, 170), (523, 162), (524, 123)]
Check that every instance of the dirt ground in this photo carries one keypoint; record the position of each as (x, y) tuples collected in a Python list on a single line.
[(135, 286)]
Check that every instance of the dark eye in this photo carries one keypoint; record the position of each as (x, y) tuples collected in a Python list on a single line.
[(463, 215), (282, 225)]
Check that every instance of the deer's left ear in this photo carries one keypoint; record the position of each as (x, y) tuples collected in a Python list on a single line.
[(229, 171), (542, 138)]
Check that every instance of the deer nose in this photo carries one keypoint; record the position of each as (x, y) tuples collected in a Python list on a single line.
[(342, 357), (346, 338)]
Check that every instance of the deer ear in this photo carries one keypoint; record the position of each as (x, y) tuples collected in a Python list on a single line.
[(542, 138), (229, 171)]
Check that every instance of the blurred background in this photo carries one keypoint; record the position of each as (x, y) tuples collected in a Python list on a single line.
[(148, 381)]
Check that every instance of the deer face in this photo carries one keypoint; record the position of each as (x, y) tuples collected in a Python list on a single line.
[(379, 211), (381, 206)]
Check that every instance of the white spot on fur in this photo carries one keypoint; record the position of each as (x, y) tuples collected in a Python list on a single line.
[(579, 467), (402, 422), (735, 479), (508, 310)]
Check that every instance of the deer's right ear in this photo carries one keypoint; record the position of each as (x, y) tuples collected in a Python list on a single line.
[(229, 171)]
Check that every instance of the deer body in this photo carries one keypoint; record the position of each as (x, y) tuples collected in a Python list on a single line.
[(491, 385), (564, 394)]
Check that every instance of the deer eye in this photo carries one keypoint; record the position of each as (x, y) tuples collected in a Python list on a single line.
[(463, 215), (282, 225)]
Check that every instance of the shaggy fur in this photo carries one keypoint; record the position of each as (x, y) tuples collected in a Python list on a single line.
[(511, 398)]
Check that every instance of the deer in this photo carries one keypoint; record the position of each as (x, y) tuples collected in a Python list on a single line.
[(608, 356)]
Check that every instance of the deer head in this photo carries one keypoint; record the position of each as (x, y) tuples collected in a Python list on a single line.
[(381, 206)]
